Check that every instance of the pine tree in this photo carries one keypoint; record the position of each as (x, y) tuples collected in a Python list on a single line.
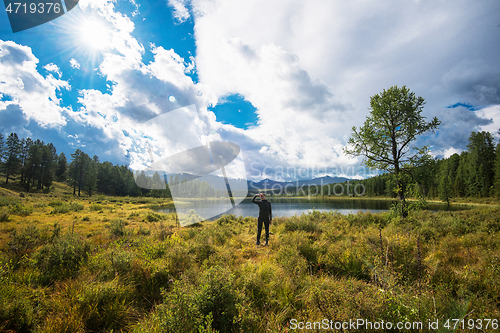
[(23, 156), (481, 163), (2, 147), (496, 184), (12, 156), (62, 166), (77, 169), (91, 175), (33, 162), (48, 166), (444, 184), (459, 185)]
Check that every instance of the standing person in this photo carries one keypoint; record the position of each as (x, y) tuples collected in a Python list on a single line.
[(265, 215)]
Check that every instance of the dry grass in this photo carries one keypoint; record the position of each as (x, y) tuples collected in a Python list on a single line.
[(114, 264)]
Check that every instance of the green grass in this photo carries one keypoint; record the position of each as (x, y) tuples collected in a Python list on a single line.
[(103, 264)]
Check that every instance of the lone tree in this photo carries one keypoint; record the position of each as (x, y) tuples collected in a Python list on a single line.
[(385, 139)]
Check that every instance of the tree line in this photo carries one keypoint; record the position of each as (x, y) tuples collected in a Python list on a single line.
[(35, 165), (472, 173)]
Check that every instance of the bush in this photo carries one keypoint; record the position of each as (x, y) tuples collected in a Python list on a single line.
[(105, 306), (117, 228), (7, 201), (20, 209), (132, 215), (76, 206), (95, 207), (17, 313), (4, 216), (302, 223), (143, 231), (65, 208), (211, 305), (60, 209), (345, 299), (24, 241), (154, 217), (55, 203), (61, 259)]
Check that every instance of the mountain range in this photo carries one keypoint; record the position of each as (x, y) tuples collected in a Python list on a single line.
[(268, 183)]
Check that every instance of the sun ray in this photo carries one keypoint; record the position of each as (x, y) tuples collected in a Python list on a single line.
[(95, 33)]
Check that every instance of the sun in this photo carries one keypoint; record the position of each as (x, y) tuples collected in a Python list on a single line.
[(95, 34)]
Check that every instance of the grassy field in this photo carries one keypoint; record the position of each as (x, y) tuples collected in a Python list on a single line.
[(110, 264)]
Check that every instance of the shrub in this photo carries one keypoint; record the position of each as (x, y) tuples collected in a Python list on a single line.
[(259, 283), (61, 259), (95, 207), (132, 215), (65, 208), (24, 241), (211, 305), (342, 258), (20, 209), (344, 299), (4, 216), (302, 223), (60, 209), (292, 262), (17, 313), (76, 206), (178, 260), (7, 201), (55, 203), (143, 231), (117, 228), (154, 217), (105, 306)]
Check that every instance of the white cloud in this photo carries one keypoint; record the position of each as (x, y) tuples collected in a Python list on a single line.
[(310, 67), (492, 113), (141, 92), (74, 63), (53, 68), (180, 11), (35, 95), (121, 29)]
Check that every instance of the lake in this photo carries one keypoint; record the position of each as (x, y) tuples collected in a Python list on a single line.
[(284, 207)]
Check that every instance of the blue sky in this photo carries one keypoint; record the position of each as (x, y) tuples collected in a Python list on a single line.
[(285, 80)]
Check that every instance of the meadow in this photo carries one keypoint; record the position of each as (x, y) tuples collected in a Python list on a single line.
[(113, 264)]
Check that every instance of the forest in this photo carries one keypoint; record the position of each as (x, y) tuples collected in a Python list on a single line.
[(472, 173), (36, 165)]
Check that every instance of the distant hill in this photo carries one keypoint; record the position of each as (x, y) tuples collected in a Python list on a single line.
[(268, 183), (217, 182)]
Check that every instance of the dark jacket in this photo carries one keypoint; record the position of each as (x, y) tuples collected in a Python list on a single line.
[(265, 211)]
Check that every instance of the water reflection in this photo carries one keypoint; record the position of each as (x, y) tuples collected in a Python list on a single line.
[(284, 207)]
